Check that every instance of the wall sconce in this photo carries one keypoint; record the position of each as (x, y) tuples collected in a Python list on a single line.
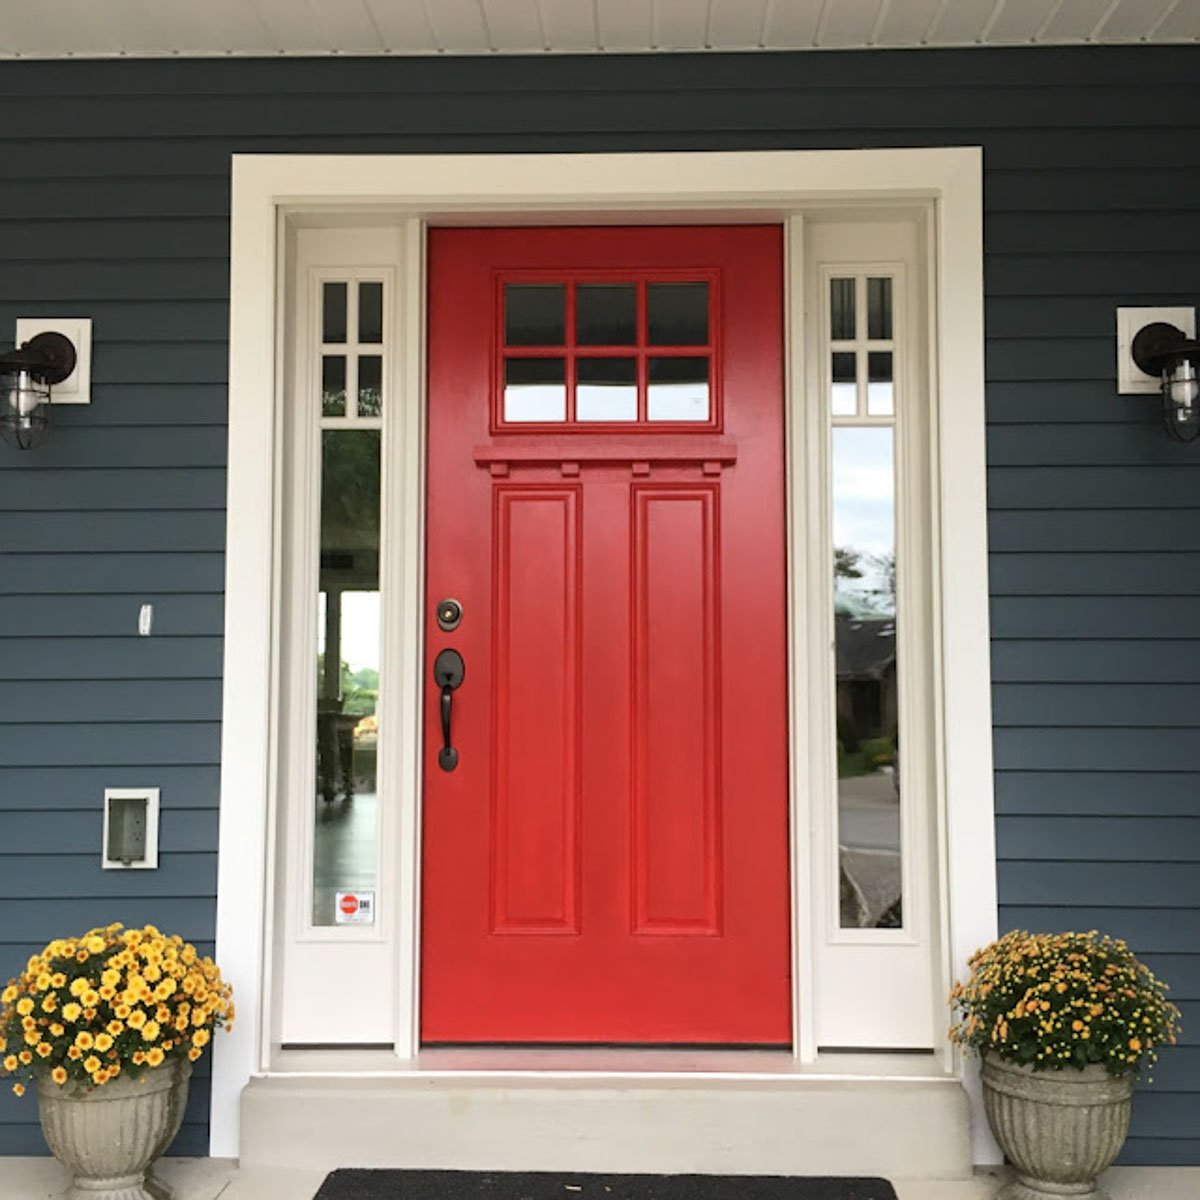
[(26, 376), (1161, 349)]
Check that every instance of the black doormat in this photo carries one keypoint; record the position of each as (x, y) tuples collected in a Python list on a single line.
[(353, 1184)]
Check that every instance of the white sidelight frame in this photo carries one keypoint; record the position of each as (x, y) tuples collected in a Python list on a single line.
[(413, 191)]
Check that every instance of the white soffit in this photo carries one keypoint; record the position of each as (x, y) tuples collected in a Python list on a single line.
[(52, 29)]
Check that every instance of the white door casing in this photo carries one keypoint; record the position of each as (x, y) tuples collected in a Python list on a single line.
[(404, 193)]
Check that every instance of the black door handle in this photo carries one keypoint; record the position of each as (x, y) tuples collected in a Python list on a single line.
[(448, 672)]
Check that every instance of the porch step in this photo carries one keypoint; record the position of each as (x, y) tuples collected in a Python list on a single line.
[(900, 1129)]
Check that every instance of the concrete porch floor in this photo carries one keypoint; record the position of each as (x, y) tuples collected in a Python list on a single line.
[(221, 1179)]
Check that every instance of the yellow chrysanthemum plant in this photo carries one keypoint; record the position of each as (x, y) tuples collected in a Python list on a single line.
[(113, 1002), (1063, 1000)]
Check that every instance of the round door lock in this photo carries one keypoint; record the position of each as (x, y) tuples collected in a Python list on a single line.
[(449, 615)]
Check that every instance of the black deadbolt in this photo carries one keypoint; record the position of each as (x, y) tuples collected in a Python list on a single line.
[(449, 614)]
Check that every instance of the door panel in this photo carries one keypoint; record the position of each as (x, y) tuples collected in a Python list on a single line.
[(608, 862)]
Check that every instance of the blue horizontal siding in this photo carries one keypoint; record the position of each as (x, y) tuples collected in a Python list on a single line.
[(117, 207)]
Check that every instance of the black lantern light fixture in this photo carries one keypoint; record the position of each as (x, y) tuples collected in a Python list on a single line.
[(1161, 349), (26, 376)]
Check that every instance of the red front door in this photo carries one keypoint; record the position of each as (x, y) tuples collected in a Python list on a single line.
[(607, 861)]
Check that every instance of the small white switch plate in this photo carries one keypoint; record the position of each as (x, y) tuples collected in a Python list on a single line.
[(145, 620), (1130, 379), (77, 387), (149, 861)]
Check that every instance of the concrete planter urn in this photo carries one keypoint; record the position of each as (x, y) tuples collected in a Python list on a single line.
[(108, 1137), (1059, 1129)]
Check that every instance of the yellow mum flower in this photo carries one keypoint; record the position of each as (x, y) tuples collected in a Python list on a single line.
[(92, 1064), (84, 1040), (44, 1049), (56, 1030), (90, 998), (100, 1078), (9, 994), (71, 1012), (136, 1019), (103, 1042), (150, 1031), (116, 1028), (201, 1037), (193, 1054), (58, 979), (24, 1006), (59, 1075), (18, 1089), (50, 1002), (155, 1056), (79, 986), (10, 1063), (74, 1053)]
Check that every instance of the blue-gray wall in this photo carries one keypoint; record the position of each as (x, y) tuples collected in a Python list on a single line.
[(114, 201)]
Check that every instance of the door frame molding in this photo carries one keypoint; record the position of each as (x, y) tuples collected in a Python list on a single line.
[(415, 190)]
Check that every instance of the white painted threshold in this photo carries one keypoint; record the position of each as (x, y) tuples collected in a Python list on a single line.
[(603, 1064)]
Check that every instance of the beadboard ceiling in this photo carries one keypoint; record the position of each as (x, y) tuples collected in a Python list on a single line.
[(163, 28)]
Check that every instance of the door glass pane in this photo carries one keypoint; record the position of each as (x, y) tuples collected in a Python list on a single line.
[(346, 800), (864, 540), (370, 312), (881, 392), (333, 385), (606, 389), (879, 308), (370, 385), (534, 314), (333, 312), (841, 310), (535, 389), (677, 314), (606, 314), (678, 390), (843, 397)]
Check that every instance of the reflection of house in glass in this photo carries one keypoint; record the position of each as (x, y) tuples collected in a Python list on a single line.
[(866, 677), (868, 779)]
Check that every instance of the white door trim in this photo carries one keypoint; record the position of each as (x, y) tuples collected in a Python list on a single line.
[(693, 186)]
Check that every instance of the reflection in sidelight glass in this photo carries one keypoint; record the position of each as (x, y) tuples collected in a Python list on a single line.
[(348, 659), (881, 390), (534, 314), (879, 308), (678, 389), (606, 314), (333, 385), (864, 540), (333, 312), (370, 312), (535, 389), (370, 385), (606, 389), (841, 310), (677, 314), (843, 393)]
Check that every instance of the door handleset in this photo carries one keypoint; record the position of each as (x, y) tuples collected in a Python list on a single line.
[(448, 673)]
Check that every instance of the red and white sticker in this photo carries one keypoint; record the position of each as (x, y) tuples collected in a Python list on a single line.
[(354, 908)]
